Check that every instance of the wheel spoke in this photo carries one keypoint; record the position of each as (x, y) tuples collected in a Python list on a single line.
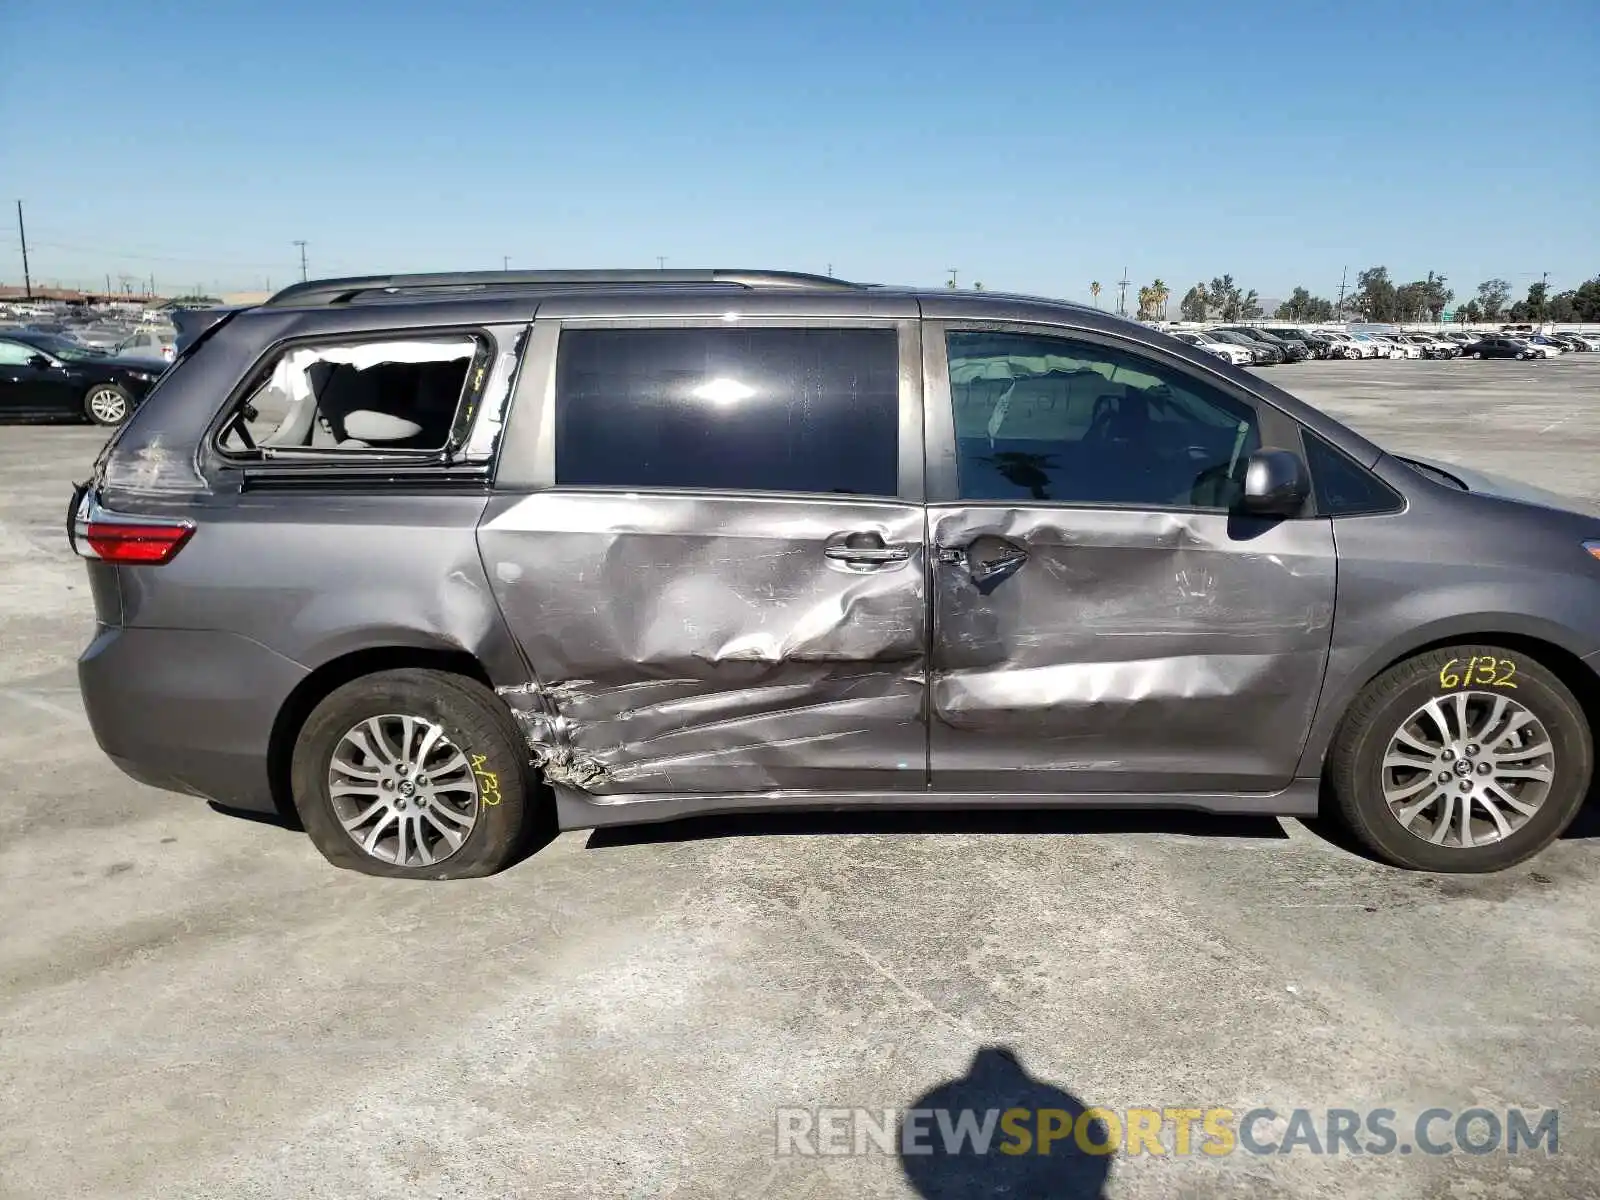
[(1491, 722), (430, 737), (1395, 795), (1544, 774), (354, 789), (463, 819), (380, 737), (1506, 798), (1410, 762), (345, 767), (452, 837), (1441, 830), (1406, 738), (400, 851), (1409, 813), (1517, 754), (1466, 820), (420, 838), (1502, 826), (361, 818), (1440, 721), (377, 831)]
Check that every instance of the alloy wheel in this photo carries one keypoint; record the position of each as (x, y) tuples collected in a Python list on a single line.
[(402, 790), (108, 405), (1468, 769)]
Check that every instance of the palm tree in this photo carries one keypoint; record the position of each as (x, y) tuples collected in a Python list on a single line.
[(1160, 291), (1094, 290)]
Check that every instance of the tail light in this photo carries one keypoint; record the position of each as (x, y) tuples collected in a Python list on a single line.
[(124, 540)]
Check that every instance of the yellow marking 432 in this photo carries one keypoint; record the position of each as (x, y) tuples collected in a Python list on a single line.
[(1480, 671), (488, 781)]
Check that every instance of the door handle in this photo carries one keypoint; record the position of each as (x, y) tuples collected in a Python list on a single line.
[(868, 554), (988, 559)]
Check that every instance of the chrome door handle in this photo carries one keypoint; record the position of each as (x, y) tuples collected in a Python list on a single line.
[(867, 554)]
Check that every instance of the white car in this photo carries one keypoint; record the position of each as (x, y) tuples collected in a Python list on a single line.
[(1340, 343), (1395, 348), (1369, 346), (1536, 350), (1237, 355)]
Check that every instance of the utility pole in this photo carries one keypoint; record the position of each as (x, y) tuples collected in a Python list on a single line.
[(661, 262), (952, 284), (1343, 271), (27, 280), (1544, 296), (505, 262), (302, 246), (1122, 295)]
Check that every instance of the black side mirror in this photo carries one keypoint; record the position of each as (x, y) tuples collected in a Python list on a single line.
[(39, 362), (1276, 484)]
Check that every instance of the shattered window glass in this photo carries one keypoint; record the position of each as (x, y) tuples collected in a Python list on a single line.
[(390, 395), (780, 410), (1055, 420)]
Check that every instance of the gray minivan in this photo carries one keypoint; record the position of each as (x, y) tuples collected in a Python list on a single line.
[(425, 560)]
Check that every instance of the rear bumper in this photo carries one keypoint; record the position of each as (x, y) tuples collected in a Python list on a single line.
[(188, 710)]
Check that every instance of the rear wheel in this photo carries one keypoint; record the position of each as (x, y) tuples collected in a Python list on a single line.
[(107, 404), (1466, 759), (1521, 356), (416, 774), (1478, 354)]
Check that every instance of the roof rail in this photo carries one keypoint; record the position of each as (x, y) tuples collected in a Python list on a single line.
[(342, 291)]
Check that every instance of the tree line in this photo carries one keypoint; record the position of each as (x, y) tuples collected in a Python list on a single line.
[(1377, 298)]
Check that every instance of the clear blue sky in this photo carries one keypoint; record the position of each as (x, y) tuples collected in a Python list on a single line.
[(1034, 146)]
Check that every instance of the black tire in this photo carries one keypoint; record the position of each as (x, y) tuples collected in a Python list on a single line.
[(473, 719), (1478, 354), (1521, 356), (100, 404), (1354, 763)]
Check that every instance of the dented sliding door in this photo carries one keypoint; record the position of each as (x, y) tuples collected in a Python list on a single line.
[(708, 540)]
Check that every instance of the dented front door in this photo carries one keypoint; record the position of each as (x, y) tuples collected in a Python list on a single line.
[(1101, 622), (689, 630)]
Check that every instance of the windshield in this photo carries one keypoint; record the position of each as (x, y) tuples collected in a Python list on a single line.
[(62, 348)]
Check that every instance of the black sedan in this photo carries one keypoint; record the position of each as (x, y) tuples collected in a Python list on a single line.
[(1291, 351), (1260, 350), (1498, 345), (42, 375)]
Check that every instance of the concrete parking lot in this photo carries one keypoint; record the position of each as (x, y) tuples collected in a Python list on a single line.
[(192, 1004)]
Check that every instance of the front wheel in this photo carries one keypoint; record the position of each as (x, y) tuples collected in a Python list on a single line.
[(107, 404), (416, 774), (1466, 759), (1521, 356), (1478, 354)]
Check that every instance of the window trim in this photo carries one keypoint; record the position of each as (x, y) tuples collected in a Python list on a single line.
[(1321, 509), (1274, 426), (497, 340), (527, 458)]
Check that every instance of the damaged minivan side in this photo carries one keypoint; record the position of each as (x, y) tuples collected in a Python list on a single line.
[(423, 561)]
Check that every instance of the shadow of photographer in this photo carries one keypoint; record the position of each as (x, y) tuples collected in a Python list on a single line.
[(942, 1164)]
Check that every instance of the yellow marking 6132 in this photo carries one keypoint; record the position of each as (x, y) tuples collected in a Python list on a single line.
[(1480, 671), (488, 781)]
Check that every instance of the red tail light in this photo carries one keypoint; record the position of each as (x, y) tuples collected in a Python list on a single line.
[(147, 543)]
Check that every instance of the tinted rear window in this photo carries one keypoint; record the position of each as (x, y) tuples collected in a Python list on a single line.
[(781, 410)]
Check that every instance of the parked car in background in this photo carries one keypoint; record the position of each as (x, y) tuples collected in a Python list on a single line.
[(1569, 343), (1295, 351), (150, 342), (1261, 353), (1500, 345), (1341, 344), (1370, 346), (42, 375), (1227, 352), (433, 581), (1316, 347)]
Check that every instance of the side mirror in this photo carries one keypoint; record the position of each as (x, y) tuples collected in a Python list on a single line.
[(1276, 484), (39, 362)]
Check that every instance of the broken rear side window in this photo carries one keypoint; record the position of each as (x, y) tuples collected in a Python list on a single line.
[(397, 395)]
